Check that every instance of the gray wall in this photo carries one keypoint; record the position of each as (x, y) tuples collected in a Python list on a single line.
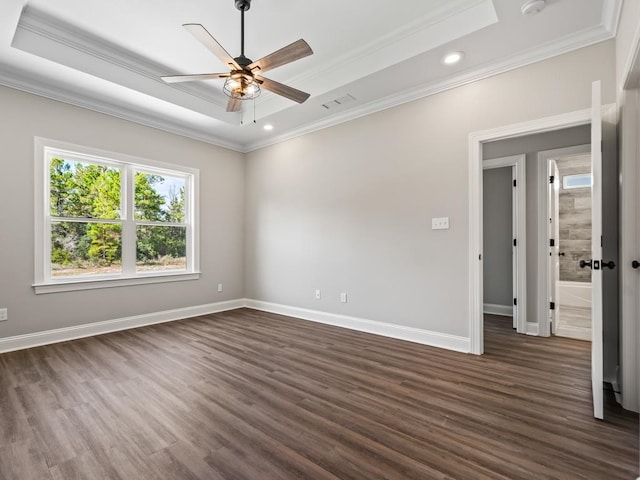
[(348, 208), (497, 231), (221, 235), (531, 145), (575, 221)]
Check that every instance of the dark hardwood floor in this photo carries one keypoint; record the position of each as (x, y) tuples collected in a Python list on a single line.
[(252, 395)]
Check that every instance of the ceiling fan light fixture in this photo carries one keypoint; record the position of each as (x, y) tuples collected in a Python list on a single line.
[(242, 86)]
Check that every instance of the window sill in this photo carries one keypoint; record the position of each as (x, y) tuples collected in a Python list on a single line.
[(69, 285)]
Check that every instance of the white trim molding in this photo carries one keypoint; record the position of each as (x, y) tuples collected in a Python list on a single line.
[(416, 335), (494, 309), (20, 342), (533, 329)]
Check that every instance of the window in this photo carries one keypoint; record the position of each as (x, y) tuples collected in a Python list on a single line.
[(582, 180), (104, 219)]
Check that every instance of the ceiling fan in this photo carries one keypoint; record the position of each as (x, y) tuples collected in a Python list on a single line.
[(243, 82)]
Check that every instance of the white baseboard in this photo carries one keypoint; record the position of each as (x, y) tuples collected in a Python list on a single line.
[(425, 337), (533, 329), (30, 340), (495, 309)]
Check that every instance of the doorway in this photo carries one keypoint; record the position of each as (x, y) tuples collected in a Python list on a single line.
[(567, 244), (602, 120), (505, 245)]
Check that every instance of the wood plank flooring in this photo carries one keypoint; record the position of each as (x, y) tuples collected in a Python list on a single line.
[(251, 395)]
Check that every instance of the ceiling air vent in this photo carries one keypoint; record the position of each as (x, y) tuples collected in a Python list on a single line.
[(338, 102)]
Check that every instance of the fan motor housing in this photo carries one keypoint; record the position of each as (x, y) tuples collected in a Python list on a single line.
[(243, 5)]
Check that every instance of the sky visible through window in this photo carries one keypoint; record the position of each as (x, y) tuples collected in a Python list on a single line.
[(167, 186)]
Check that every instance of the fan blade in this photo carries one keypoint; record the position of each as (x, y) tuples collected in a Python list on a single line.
[(206, 39), (284, 90), (234, 105), (190, 78), (288, 54)]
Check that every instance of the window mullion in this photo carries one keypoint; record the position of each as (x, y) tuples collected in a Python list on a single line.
[(128, 223)]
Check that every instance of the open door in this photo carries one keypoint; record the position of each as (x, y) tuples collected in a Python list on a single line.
[(554, 244), (514, 248), (597, 366), (604, 252)]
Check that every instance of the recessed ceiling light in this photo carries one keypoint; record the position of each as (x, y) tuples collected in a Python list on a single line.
[(533, 7), (268, 127), (453, 57)]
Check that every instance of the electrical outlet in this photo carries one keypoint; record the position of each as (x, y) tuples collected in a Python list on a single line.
[(219, 287), (4, 314), (318, 294), (343, 297)]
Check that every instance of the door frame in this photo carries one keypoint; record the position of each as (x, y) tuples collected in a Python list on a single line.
[(519, 216), (476, 139), (543, 230)]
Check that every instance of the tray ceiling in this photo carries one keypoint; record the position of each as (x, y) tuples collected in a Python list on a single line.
[(368, 55)]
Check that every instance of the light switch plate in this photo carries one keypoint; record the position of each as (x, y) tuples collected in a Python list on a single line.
[(440, 223)]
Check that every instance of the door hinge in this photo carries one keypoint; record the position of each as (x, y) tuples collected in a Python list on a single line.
[(552, 305), (552, 242), (515, 301), (551, 179), (514, 183)]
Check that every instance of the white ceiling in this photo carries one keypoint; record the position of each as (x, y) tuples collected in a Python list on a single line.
[(108, 56)]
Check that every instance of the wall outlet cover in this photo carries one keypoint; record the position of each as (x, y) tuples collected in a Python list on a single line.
[(441, 223)]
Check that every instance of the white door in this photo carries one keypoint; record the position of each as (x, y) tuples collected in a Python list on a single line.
[(596, 253), (554, 244), (514, 248)]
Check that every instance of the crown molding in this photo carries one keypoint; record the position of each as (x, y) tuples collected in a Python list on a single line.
[(57, 31), (611, 11), (549, 50), (81, 50), (19, 81)]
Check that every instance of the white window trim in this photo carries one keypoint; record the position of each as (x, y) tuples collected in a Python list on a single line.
[(43, 283)]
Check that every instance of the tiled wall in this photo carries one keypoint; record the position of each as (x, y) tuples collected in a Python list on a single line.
[(575, 222)]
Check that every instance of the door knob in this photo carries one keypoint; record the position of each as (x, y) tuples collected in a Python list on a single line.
[(635, 264), (584, 264), (561, 254), (610, 264)]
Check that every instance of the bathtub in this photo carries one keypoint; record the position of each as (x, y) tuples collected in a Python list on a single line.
[(575, 294)]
